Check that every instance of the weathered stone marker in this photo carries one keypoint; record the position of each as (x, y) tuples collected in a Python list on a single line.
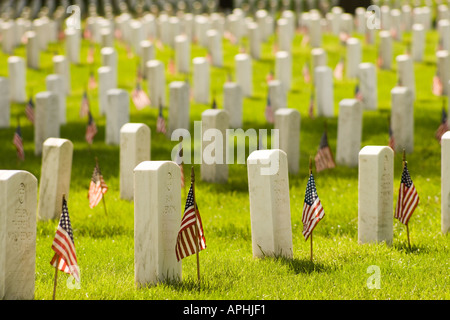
[(268, 184), (375, 194), (134, 148), (402, 119), (201, 85), (157, 215), (156, 83), (214, 168), (117, 114), (445, 183), (5, 105), (179, 106), (46, 122), (55, 84), (56, 169), (244, 75), (18, 202), (287, 121), (367, 76), (17, 79), (324, 91), (349, 132)]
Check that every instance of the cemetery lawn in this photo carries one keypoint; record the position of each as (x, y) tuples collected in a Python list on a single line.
[(105, 242)]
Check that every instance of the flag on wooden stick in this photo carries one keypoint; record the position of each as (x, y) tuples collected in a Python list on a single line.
[(84, 108), (65, 258), (443, 127), (339, 69), (91, 129), (97, 187), (161, 123), (190, 238), (140, 97), (358, 94), (18, 142), (324, 157), (29, 110), (408, 198), (312, 211)]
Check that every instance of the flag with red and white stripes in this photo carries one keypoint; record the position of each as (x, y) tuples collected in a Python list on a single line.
[(29, 110), (84, 108), (65, 258), (91, 129), (140, 97), (437, 86), (18, 142), (161, 123), (339, 70), (408, 198), (324, 157), (443, 127), (191, 226), (97, 187), (312, 208)]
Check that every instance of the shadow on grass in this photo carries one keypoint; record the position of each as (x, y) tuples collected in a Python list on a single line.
[(415, 249), (305, 266)]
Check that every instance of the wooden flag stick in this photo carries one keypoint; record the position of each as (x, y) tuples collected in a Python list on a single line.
[(196, 224), (56, 278), (311, 236), (103, 195), (407, 227)]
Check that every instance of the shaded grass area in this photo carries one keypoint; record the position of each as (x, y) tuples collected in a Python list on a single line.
[(105, 244)]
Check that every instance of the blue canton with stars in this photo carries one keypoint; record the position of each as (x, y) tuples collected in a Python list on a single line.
[(311, 192), (406, 179), (64, 222)]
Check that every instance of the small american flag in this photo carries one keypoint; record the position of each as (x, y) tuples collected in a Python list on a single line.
[(92, 83), (161, 123), (29, 110), (312, 208), (97, 187), (269, 76), (437, 85), (305, 40), (191, 224), (269, 111), (18, 142), (65, 258), (306, 73), (91, 129), (391, 138), (84, 109), (171, 66), (358, 94), (343, 37), (339, 70), (90, 56), (324, 157), (139, 97), (443, 127), (408, 198)]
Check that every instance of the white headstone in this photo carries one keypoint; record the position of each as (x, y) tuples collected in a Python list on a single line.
[(54, 182), (157, 209), (319, 57), (283, 69), (287, 121), (135, 147), (367, 76), (232, 103), (315, 31), (255, 40), (147, 52), (443, 68), (353, 58), (46, 121), (33, 50), (182, 53), (62, 68), (179, 106), (17, 79), (405, 72), (73, 44), (5, 105), (444, 34), (277, 95), (375, 194), (117, 114), (105, 82), (445, 183), (324, 91), (283, 34), (156, 79), (201, 80), (110, 59), (8, 36), (55, 84), (268, 184), (18, 203), (402, 119), (385, 49), (349, 132), (418, 42), (244, 73), (215, 47), (214, 168)]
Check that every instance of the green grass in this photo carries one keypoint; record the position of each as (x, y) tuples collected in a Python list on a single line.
[(105, 246)]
